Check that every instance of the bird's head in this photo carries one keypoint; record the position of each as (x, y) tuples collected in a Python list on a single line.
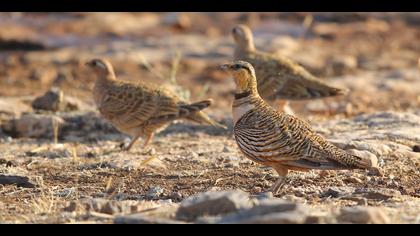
[(244, 75), (101, 67), (242, 35)]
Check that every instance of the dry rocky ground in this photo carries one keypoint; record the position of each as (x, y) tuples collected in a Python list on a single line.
[(64, 166)]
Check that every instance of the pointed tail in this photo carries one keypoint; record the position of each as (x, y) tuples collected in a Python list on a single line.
[(193, 112), (187, 109), (202, 118)]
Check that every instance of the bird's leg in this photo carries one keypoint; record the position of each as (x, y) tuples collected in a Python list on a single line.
[(148, 138), (278, 185), (133, 140)]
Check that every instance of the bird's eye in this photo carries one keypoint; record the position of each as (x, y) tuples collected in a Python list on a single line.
[(237, 67)]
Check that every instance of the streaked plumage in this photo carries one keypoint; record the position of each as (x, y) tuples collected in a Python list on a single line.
[(140, 110), (277, 139), (279, 77)]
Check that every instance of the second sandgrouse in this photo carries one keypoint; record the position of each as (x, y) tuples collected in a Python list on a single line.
[(140, 110), (278, 77), (277, 139)]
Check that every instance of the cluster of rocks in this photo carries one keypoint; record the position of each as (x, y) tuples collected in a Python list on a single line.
[(238, 207), (50, 111)]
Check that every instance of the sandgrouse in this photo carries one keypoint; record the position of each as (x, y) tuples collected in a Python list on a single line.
[(282, 141), (140, 110), (278, 77)]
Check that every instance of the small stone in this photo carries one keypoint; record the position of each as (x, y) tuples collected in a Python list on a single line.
[(231, 164), (111, 208), (65, 192), (7, 163), (324, 173), (317, 219), (20, 181), (6, 139), (264, 195), (336, 192), (177, 196), (33, 125), (376, 171), (95, 204), (151, 151), (154, 192), (73, 206), (363, 215), (212, 203), (268, 211), (293, 198), (144, 219), (256, 189), (378, 194), (52, 100), (226, 149), (274, 218), (353, 180), (360, 200), (207, 219), (416, 148), (194, 155)]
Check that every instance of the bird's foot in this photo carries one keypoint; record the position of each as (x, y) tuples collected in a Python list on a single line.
[(278, 187)]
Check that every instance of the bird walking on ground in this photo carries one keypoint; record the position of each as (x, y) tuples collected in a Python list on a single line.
[(141, 110), (282, 141), (279, 78)]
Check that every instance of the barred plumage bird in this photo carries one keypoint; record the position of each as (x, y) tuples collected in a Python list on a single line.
[(140, 110), (279, 78), (277, 139)]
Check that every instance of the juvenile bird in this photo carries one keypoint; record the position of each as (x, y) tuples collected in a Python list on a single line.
[(279, 78), (282, 141), (140, 110)]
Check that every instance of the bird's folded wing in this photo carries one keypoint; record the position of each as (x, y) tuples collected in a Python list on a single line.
[(288, 80), (131, 104)]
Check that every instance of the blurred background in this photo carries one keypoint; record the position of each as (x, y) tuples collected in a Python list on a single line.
[(372, 54)]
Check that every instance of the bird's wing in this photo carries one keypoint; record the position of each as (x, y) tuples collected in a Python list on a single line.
[(313, 151), (268, 136), (301, 146), (132, 104), (280, 78)]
